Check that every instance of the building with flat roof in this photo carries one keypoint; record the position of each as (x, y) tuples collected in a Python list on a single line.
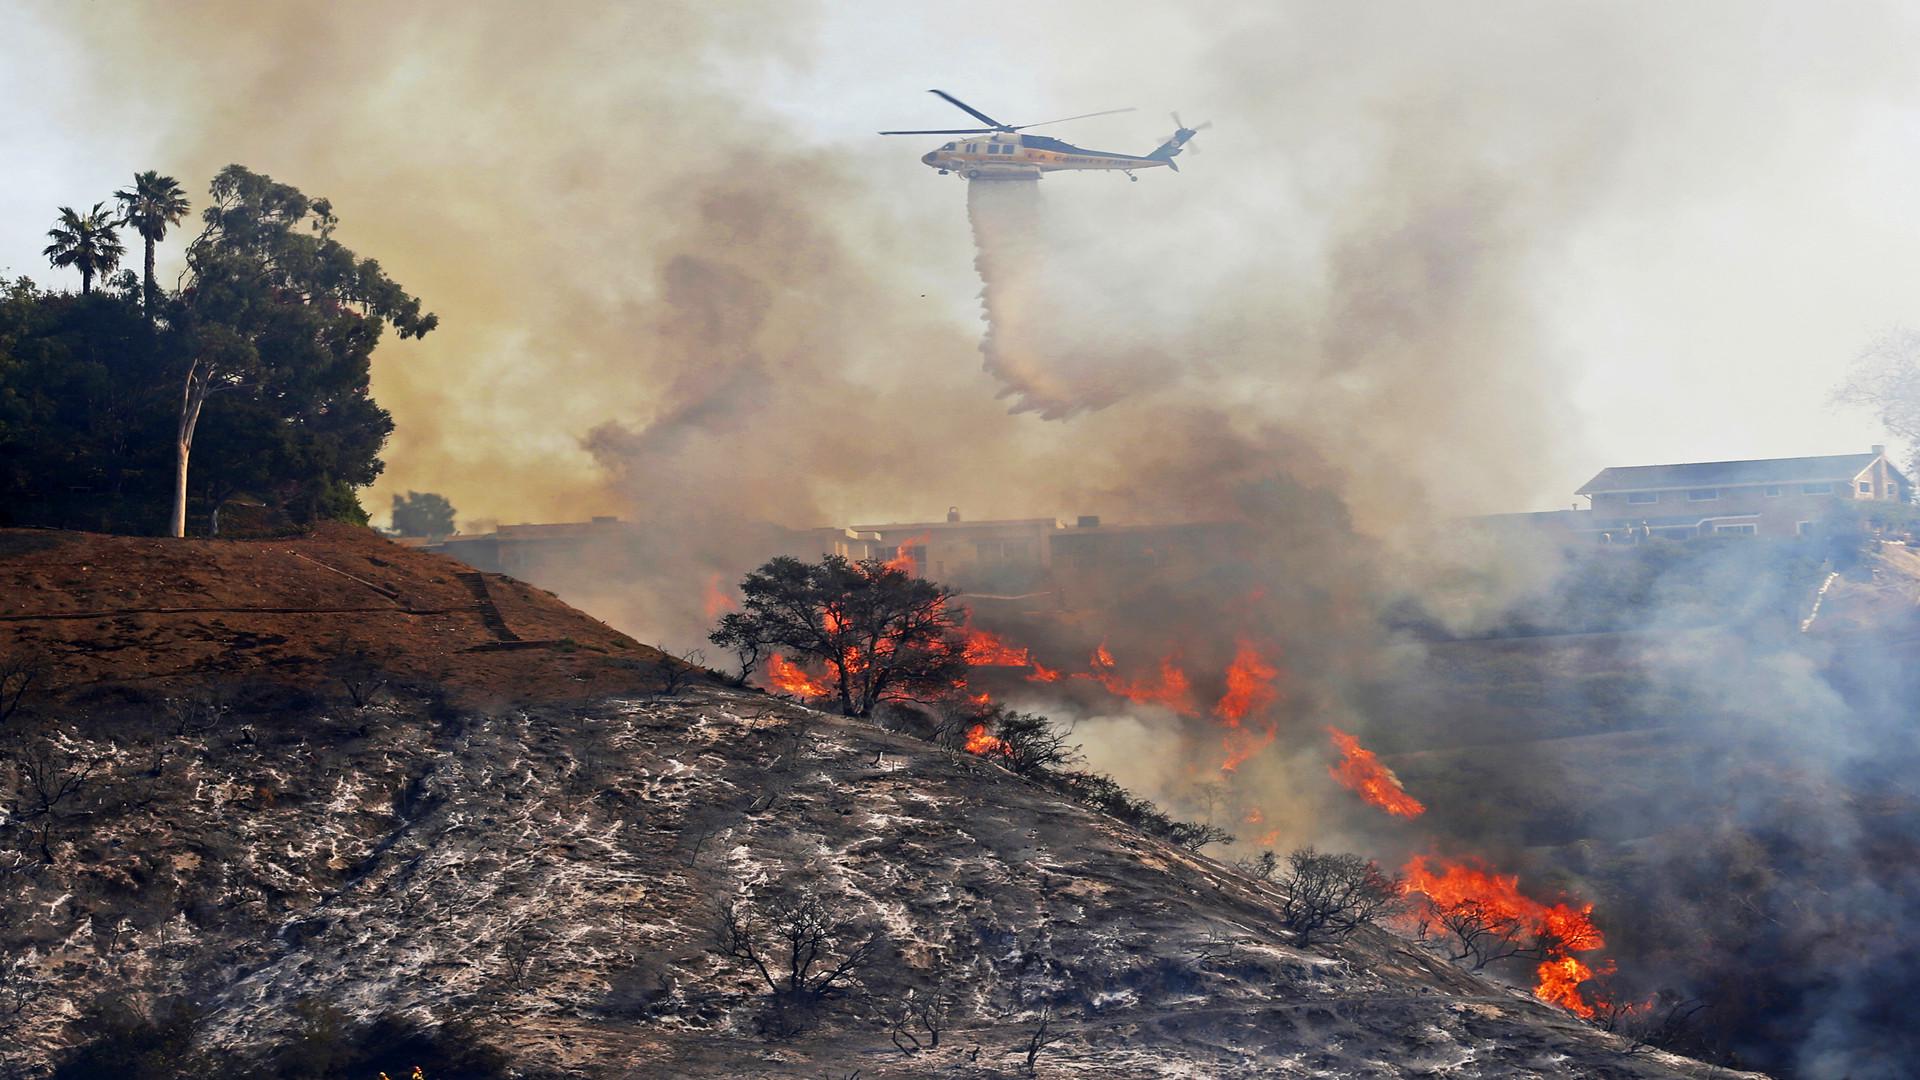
[(1765, 496)]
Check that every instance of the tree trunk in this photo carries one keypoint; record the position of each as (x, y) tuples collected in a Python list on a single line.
[(86, 281), (146, 292), (195, 396)]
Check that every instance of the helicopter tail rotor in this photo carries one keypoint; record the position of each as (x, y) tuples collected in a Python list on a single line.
[(1182, 134)]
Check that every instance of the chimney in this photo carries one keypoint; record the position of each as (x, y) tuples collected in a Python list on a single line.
[(1879, 450), (953, 514)]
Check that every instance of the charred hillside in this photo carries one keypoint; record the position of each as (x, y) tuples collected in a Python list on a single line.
[(540, 842)]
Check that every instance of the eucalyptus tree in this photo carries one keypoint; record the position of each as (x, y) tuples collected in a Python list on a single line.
[(277, 311)]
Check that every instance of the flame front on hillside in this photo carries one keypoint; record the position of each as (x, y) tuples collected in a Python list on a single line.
[(1555, 931), (1361, 771)]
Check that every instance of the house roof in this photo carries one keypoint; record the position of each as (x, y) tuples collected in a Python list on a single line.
[(1802, 470)]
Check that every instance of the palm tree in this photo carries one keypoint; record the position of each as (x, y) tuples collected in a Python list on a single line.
[(152, 204), (85, 242)]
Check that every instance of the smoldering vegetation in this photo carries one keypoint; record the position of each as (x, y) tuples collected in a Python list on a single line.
[(1727, 780), (662, 298)]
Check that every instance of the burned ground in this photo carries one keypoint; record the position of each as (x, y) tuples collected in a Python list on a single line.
[(554, 872)]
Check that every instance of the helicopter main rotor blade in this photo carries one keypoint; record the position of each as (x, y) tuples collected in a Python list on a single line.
[(944, 131), (971, 111), (1064, 119)]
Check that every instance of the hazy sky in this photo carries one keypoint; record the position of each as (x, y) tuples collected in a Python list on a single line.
[(1742, 226)]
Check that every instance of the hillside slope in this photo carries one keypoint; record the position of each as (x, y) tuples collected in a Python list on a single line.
[(554, 870)]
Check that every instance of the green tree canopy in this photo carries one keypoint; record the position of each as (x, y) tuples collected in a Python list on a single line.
[(422, 513), (284, 317), (276, 323)]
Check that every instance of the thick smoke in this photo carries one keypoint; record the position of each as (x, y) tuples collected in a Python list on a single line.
[(662, 300)]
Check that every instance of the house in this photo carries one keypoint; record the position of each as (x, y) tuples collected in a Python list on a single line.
[(1766, 497)]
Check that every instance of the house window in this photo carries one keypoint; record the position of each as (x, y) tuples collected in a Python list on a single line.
[(1703, 494), (1866, 487), (1816, 489), (1773, 491), (1643, 497), (1747, 530), (1803, 528)]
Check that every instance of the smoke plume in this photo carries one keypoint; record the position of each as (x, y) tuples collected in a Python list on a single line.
[(660, 298)]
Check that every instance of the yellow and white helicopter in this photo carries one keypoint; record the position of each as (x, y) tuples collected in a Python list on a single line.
[(1000, 152)]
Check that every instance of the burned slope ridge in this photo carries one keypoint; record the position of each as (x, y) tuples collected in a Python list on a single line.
[(555, 875)]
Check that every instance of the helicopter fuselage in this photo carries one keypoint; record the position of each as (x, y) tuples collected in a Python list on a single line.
[(1013, 156)]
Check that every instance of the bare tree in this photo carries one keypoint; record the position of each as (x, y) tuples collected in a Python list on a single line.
[(520, 956), (800, 948), (916, 1023), (1210, 797), (1262, 866), (19, 673), (357, 671), (1331, 896), (747, 654), (1042, 1036), (196, 711), (1479, 934), (1192, 837), (50, 779), (677, 670), (1886, 379), (1661, 1022), (18, 987)]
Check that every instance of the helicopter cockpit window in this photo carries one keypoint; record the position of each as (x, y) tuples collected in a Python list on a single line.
[(949, 146)]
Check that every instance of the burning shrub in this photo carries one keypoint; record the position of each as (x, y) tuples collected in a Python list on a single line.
[(1486, 918), (1331, 896), (1023, 743), (880, 633)]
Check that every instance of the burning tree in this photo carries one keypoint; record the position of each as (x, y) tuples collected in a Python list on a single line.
[(1485, 918), (880, 633)]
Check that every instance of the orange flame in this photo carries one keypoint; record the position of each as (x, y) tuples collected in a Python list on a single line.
[(1558, 981), (788, 678), (1042, 673), (1241, 744), (979, 742), (1250, 689), (986, 649), (903, 559), (1172, 689), (716, 600), (1249, 685), (1361, 771), (1558, 977)]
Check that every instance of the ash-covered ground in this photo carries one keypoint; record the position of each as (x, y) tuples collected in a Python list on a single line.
[(555, 876)]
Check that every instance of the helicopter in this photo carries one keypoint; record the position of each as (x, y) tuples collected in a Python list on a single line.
[(1001, 152)]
